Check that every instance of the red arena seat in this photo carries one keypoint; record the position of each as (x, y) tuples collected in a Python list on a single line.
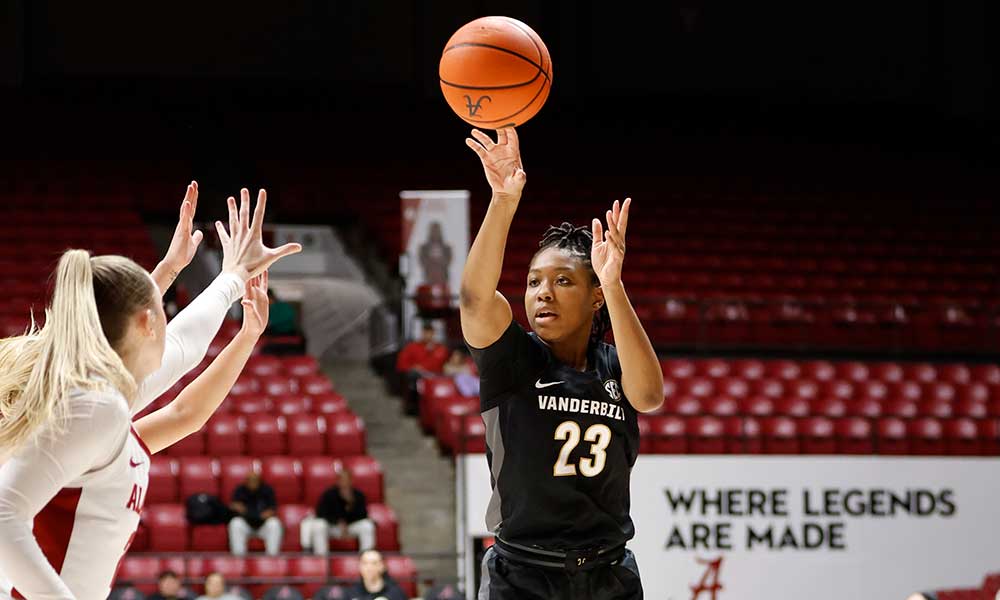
[(386, 526), (926, 436), (264, 365), (225, 435), (318, 473), (168, 528), (780, 436), (818, 436), (853, 371), (197, 474), (300, 366), (268, 571), (891, 436), (278, 385), (315, 384), (292, 404), (284, 474), (252, 404), (328, 403), (266, 435), (963, 437), (854, 436), (706, 435), (669, 434), (316, 568), (345, 434), (306, 435), (163, 480), (141, 571)]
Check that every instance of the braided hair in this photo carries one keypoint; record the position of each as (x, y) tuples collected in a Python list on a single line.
[(578, 241)]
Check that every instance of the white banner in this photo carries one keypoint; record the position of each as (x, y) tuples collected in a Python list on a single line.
[(435, 237), (435, 242), (796, 528)]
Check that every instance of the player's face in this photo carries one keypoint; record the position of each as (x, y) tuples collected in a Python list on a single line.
[(151, 323), (560, 295)]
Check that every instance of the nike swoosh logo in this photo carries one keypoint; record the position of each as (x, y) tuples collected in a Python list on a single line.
[(540, 385), (133, 464)]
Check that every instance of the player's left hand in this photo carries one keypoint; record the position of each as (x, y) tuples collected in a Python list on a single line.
[(608, 251), (256, 307), (185, 242)]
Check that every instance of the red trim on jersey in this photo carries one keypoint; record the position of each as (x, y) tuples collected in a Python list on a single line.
[(54, 526), (142, 444)]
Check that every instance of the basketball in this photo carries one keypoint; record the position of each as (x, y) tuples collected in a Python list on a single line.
[(495, 72)]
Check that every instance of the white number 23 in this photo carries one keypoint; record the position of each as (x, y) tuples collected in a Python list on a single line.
[(599, 435)]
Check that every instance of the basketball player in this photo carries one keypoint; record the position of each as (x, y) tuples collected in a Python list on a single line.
[(560, 409), (78, 468)]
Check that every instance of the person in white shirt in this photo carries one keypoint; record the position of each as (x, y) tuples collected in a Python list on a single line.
[(215, 588), (74, 468)]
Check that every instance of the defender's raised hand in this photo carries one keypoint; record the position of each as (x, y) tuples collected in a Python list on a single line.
[(501, 162), (243, 249), (256, 307), (183, 245), (608, 252)]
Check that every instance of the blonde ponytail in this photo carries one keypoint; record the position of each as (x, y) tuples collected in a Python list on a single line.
[(39, 370)]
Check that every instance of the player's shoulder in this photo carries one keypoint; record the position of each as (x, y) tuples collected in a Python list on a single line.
[(102, 404)]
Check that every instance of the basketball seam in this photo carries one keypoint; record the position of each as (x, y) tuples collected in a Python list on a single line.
[(538, 49), (501, 49), (491, 87)]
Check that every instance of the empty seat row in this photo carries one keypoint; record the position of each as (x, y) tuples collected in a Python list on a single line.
[(262, 434), (164, 528), (818, 435), (313, 572), (294, 479), (822, 370)]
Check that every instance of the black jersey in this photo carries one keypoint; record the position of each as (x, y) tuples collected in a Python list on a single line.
[(561, 444)]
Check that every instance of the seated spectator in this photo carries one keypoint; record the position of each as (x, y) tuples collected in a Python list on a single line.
[(461, 368), (330, 592), (420, 358), (215, 588), (168, 587), (374, 584), (282, 592), (255, 509), (342, 511), (126, 592)]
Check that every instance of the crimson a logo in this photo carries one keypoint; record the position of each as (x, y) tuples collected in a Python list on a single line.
[(709, 583)]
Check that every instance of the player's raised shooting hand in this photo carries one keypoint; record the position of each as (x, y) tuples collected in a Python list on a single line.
[(501, 162)]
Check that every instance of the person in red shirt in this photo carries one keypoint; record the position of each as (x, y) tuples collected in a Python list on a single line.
[(424, 357)]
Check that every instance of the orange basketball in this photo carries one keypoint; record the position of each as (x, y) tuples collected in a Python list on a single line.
[(495, 72)]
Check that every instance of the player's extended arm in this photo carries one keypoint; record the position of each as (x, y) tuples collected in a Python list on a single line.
[(642, 378), (244, 255), (191, 409), (96, 429), (485, 313)]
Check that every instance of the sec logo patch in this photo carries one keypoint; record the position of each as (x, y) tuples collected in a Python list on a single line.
[(613, 390)]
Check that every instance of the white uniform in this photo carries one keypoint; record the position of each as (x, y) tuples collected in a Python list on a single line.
[(70, 503)]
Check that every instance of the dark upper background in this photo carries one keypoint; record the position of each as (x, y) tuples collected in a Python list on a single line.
[(783, 88)]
